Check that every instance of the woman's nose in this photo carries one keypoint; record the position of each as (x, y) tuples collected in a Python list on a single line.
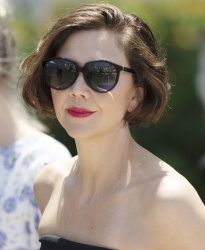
[(80, 88)]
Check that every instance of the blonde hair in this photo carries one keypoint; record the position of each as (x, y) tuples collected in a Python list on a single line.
[(9, 71)]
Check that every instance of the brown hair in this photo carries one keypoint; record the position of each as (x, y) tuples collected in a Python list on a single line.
[(139, 45)]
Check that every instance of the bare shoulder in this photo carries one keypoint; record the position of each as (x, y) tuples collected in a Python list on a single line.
[(48, 177), (176, 211)]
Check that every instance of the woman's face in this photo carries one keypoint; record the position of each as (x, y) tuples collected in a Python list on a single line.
[(82, 111)]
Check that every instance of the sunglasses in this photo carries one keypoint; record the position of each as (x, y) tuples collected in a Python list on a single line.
[(101, 76)]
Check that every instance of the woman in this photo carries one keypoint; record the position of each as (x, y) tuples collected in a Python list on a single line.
[(24, 150), (99, 70)]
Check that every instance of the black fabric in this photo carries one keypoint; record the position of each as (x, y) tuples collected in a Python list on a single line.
[(51, 242)]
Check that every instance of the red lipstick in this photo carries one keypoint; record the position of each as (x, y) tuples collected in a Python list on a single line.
[(79, 112)]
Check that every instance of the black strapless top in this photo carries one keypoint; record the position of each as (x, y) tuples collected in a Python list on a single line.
[(52, 242)]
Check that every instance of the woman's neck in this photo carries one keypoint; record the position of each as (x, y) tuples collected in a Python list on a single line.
[(12, 127), (104, 162)]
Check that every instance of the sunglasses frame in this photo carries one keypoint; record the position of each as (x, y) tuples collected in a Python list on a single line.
[(82, 69)]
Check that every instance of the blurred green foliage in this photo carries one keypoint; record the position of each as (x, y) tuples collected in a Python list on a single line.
[(179, 137)]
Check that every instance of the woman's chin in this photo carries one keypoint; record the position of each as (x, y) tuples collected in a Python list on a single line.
[(79, 134)]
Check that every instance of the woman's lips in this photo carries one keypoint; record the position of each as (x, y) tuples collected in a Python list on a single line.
[(79, 112)]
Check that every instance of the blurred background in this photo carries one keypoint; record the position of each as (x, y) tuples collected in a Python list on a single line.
[(179, 136)]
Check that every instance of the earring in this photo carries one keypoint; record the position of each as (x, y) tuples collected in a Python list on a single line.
[(131, 109)]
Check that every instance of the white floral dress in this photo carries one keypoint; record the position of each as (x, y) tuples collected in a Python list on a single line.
[(19, 164)]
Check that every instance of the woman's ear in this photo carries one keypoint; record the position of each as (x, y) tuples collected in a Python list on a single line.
[(137, 99)]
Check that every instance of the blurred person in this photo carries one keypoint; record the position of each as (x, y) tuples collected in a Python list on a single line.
[(24, 150), (99, 70)]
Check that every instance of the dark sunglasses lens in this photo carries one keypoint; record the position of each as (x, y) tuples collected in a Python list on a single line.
[(60, 74), (101, 75)]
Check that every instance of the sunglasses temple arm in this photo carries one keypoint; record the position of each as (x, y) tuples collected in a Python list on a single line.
[(128, 70)]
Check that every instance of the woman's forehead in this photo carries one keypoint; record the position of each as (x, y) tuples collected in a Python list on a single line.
[(92, 45)]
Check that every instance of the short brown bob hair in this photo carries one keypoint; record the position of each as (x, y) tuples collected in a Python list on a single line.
[(137, 41)]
